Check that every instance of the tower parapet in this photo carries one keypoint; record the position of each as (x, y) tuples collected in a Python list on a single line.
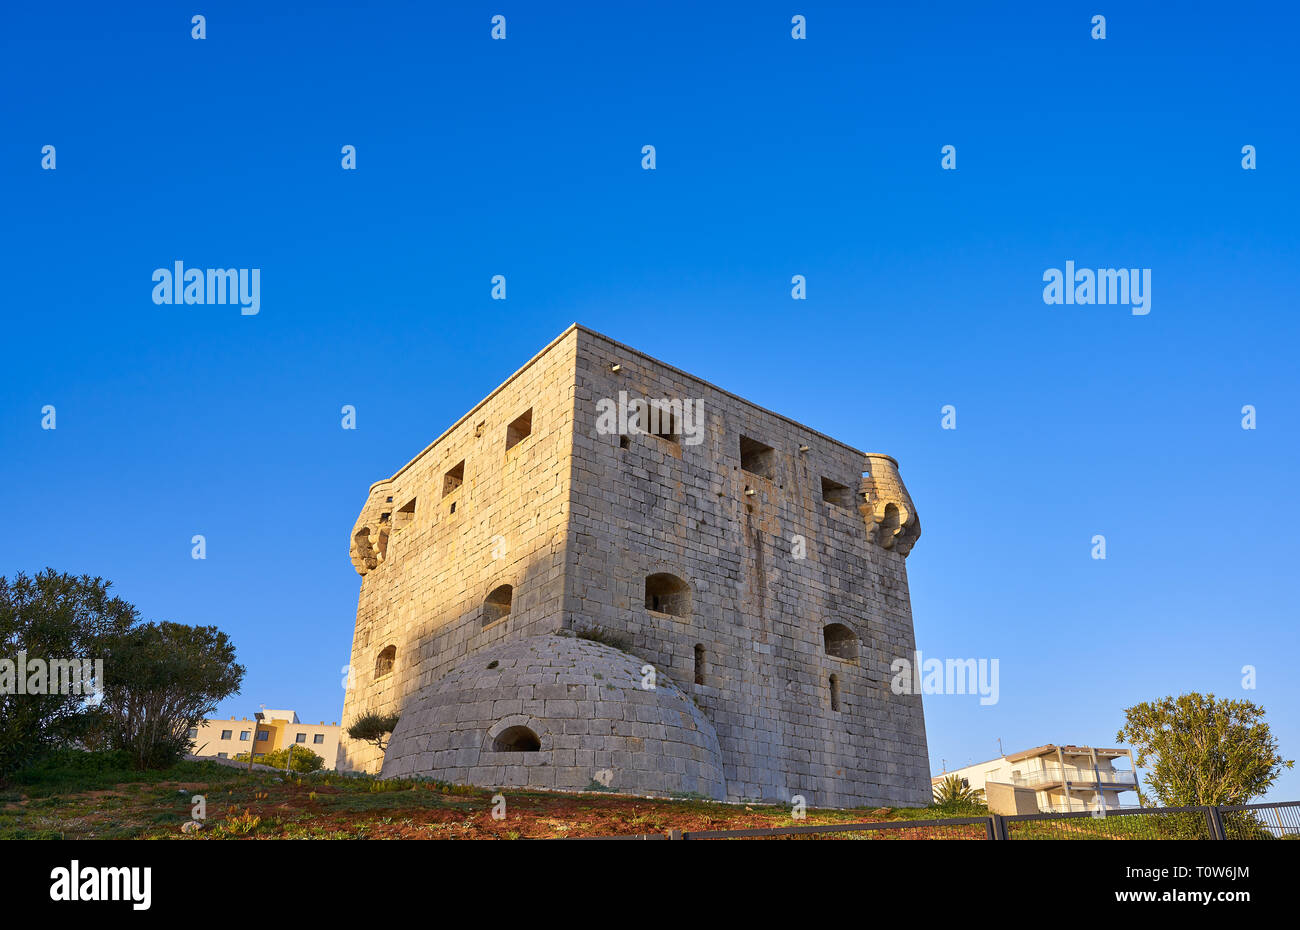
[(370, 533), (891, 517)]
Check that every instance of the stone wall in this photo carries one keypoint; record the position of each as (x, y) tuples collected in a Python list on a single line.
[(758, 609), (597, 727), (426, 595)]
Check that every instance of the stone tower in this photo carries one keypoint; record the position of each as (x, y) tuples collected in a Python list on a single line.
[(610, 573)]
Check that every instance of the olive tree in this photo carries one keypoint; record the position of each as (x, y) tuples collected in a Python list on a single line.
[(1203, 751)]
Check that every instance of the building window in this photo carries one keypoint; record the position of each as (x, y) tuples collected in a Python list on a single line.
[(497, 605), (222, 755), (193, 732), (258, 755), (757, 458), (385, 661), (841, 495), (453, 479), (318, 738), (664, 420), (516, 739), (301, 738), (263, 735), (244, 735), (840, 642), (225, 734), (405, 517), (667, 594), (699, 664), (519, 430), (835, 692)]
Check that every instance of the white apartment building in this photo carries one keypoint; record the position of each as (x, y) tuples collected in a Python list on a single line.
[(1061, 778)]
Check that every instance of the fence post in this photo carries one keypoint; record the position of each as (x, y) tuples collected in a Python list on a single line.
[(674, 834), (997, 827), (1213, 816)]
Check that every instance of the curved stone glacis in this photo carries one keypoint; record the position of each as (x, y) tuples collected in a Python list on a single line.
[(595, 725)]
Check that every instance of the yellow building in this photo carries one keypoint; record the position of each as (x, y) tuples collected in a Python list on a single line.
[(268, 731)]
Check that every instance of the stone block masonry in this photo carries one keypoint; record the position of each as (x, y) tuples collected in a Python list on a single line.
[(757, 570)]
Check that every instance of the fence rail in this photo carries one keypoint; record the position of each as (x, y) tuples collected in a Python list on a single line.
[(1272, 821)]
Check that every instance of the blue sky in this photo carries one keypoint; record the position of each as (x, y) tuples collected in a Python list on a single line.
[(775, 157)]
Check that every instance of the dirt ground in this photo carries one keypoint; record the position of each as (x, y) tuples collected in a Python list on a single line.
[(261, 806)]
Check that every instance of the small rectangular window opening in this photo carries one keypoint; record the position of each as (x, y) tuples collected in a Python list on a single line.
[(841, 495), (405, 517), (757, 458), (453, 479), (519, 430)]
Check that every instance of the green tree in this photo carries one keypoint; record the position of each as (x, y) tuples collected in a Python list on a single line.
[(373, 728), (952, 791), (50, 616), (1202, 751), (304, 760), (161, 680)]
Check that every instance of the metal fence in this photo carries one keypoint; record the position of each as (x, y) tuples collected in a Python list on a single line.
[(1148, 823), (1279, 820)]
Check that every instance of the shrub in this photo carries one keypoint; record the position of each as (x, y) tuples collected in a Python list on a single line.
[(951, 792), (304, 760), (373, 728), (51, 617), (162, 679), (70, 771)]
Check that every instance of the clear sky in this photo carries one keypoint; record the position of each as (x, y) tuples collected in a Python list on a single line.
[(775, 157)]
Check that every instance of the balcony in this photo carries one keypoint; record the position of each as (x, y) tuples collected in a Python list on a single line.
[(1050, 775)]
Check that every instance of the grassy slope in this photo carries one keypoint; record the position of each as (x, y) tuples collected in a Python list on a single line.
[(95, 795)]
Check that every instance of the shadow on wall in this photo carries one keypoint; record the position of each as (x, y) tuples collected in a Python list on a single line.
[(496, 616)]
